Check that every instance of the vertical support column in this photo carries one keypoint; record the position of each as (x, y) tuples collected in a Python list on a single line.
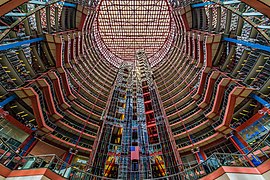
[(58, 51), (190, 44), (79, 43), (195, 44), (187, 44), (81, 15), (208, 50), (197, 156), (28, 145), (66, 45), (186, 17), (71, 47), (239, 143), (200, 156), (82, 39), (68, 157), (201, 53)]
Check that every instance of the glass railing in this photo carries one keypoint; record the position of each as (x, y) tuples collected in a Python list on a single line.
[(11, 159), (8, 156)]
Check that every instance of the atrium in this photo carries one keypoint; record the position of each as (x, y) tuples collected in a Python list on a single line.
[(134, 89)]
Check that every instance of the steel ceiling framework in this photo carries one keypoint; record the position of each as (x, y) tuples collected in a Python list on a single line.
[(123, 26)]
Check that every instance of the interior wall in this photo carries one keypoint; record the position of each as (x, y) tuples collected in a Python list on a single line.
[(8, 130), (42, 148)]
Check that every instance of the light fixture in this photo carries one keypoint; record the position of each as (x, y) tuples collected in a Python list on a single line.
[(73, 151), (195, 150)]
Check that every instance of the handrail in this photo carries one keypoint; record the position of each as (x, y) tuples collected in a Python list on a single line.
[(8, 146), (9, 155), (5, 33), (259, 143), (213, 162)]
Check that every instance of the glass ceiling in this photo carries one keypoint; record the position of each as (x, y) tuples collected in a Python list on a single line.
[(125, 26)]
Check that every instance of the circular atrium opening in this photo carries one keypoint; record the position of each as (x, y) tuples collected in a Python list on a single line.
[(124, 26)]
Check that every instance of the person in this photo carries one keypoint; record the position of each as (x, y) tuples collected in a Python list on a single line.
[(18, 151)]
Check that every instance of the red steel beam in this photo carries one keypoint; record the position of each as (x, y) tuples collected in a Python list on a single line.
[(9, 5)]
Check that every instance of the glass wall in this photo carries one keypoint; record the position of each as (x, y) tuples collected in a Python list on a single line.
[(254, 132), (11, 134)]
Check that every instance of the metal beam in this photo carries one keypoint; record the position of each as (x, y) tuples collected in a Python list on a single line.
[(210, 3), (259, 6), (252, 14), (248, 44), (20, 43), (7, 100), (231, 2), (16, 14), (66, 4), (260, 100), (37, 2), (10, 5), (201, 4)]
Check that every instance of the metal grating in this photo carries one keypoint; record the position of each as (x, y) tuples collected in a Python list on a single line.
[(124, 26)]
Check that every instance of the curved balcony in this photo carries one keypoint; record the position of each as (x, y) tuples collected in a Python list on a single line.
[(178, 84), (163, 69), (188, 119), (183, 67), (83, 92), (183, 92), (174, 69), (66, 142), (32, 99), (77, 129), (94, 71), (96, 80), (187, 109), (214, 108), (200, 141), (210, 92), (188, 93), (85, 84), (191, 128)]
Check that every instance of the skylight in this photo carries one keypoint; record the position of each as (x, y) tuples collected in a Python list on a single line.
[(125, 26)]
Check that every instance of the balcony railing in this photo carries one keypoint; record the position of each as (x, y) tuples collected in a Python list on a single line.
[(9, 157)]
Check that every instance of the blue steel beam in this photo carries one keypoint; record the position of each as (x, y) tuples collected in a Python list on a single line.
[(7, 100), (67, 4), (16, 14), (3, 27), (252, 14), (248, 44), (260, 100), (201, 4), (37, 2), (264, 27), (210, 3), (20, 43), (231, 2)]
